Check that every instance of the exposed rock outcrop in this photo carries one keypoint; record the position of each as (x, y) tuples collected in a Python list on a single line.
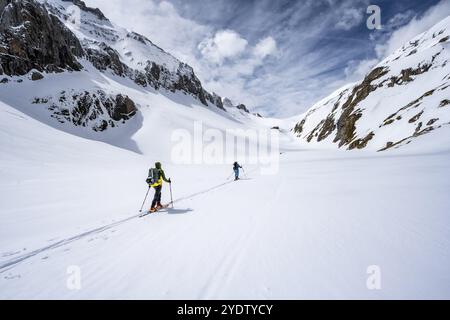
[(97, 110), (242, 107), (227, 103), (346, 125), (82, 6), (106, 58), (35, 76), (31, 38), (123, 109)]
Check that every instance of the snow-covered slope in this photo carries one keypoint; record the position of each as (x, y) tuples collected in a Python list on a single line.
[(404, 97), (310, 231)]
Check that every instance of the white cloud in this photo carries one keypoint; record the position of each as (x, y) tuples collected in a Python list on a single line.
[(400, 19), (225, 44), (232, 61), (351, 17), (232, 77), (357, 70), (265, 47)]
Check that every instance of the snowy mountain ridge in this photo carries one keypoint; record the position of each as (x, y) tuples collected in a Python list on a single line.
[(405, 96), (44, 37)]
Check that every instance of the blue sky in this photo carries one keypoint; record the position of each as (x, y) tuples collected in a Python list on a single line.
[(278, 57)]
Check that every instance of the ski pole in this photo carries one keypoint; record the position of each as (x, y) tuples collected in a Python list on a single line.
[(244, 172), (145, 198), (171, 199), (230, 175)]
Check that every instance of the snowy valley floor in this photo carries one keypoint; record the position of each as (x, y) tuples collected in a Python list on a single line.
[(310, 231)]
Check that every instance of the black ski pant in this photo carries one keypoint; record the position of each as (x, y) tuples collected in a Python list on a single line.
[(157, 197)]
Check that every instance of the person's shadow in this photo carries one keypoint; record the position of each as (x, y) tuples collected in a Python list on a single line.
[(178, 211)]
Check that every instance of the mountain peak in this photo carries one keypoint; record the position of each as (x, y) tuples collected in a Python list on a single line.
[(82, 5), (40, 37)]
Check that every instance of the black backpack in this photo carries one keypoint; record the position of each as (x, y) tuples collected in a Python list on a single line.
[(153, 176)]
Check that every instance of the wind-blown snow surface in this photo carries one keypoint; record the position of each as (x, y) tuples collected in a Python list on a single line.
[(309, 231)]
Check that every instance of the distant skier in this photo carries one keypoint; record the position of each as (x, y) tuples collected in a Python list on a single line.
[(236, 167), (155, 179)]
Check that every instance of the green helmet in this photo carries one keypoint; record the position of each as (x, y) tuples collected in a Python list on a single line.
[(158, 165)]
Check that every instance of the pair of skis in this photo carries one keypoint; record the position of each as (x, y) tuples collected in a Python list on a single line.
[(162, 207), (149, 212)]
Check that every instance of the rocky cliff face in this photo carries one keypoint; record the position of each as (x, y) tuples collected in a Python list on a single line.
[(97, 110), (30, 38), (129, 54), (40, 37), (399, 100), (229, 105)]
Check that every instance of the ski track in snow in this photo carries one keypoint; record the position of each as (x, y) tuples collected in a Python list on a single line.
[(248, 241), (8, 265), (220, 279)]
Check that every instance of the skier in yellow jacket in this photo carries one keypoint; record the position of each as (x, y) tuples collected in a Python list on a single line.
[(155, 179)]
